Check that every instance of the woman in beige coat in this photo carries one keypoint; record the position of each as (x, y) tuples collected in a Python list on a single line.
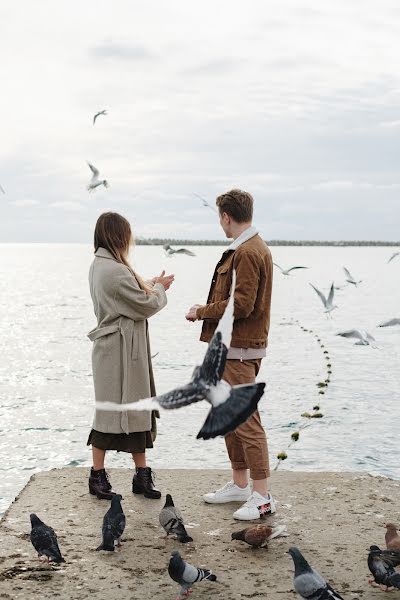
[(121, 358)]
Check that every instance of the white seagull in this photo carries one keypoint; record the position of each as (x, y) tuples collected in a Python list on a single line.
[(95, 181), (350, 278), (286, 272), (364, 338), (101, 112), (390, 323), (205, 203), (171, 251), (393, 256), (230, 406), (327, 302)]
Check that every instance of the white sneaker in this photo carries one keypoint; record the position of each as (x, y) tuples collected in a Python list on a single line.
[(230, 492), (257, 506)]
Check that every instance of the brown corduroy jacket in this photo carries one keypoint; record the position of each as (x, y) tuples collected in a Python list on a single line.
[(252, 262)]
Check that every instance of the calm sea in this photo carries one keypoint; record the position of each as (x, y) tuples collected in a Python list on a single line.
[(46, 395)]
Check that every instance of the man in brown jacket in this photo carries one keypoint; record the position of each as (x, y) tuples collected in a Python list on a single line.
[(250, 257)]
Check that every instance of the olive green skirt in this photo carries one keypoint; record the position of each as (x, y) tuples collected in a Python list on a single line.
[(135, 443)]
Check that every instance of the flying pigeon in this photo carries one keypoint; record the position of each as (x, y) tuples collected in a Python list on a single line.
[(172, 522), (308, 583), (205, 203), (44, 540), (393, 256), (171, 251), (95, 181), (327, 302), (390, 323), (230, 406), (287, 271), (185, 574), (392, 538), (101, 112), (382, 569), (258, 536), (363, 337), (350, 278), (113, 525)]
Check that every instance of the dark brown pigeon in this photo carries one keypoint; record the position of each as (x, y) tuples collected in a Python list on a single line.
[(392, 538), (258, 536)]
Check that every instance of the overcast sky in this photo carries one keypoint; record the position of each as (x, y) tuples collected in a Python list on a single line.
[(296, 101)]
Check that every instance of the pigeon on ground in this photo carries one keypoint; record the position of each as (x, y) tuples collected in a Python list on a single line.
[(205, 203), (392, 538), (258, 536), (364, 338), (113, 525), (394, 255), (172, 522), (171, 251), (101, 112), (381, 567), (390, 323), (230, 406), (350, 278), (44, 540), (308, 583), (286, 272), (327, 302), (185, 574), (95, 181)]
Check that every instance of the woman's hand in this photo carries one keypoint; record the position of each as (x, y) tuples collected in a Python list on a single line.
[(165, 280)]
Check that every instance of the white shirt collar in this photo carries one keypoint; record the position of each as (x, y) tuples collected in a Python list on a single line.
[(243, 237)]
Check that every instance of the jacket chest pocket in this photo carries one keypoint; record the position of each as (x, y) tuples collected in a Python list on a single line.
[(223, 282)]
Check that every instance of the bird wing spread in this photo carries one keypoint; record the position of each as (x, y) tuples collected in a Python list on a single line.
[(184, 251), (293, 268), (183, 396), (214, 361), (320, 294), (331, 294), (93, 169), (224, 418)]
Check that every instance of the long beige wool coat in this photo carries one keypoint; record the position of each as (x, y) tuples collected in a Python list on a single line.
[(121, 357)]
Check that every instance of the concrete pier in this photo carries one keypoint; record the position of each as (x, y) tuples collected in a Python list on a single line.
[(332, 517)]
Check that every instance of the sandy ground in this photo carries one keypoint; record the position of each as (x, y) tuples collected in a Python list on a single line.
[(332, 517)]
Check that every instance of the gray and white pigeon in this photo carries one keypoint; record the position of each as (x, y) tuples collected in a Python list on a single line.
[(364, 338), (186, 574), (171, 251), (350, 278), (44, 540), (113, 525), (101, 112), (95, 182), (381, 566), (308, 583), (230, 406), (327, 302), (390, 323), (394, 255), (286, 272), (172, 521)]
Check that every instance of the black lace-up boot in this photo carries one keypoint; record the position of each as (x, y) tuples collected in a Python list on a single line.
[(143, 483), (99, 485)]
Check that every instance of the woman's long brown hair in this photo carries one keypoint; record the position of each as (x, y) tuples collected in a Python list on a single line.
[(113, 232)]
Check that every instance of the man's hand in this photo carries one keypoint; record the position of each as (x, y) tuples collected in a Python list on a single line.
[(191, 315)]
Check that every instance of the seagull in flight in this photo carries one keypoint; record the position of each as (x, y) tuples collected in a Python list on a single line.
[(230, 405), (393, 256), (390, 323), (364, 338), (327, 302), (171, 251), (350, 278), (101, 112), (205, 203), (95, 181), (286, 272), (2, 189)]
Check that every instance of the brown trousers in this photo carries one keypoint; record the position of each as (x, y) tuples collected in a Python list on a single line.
[(247, 445)]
